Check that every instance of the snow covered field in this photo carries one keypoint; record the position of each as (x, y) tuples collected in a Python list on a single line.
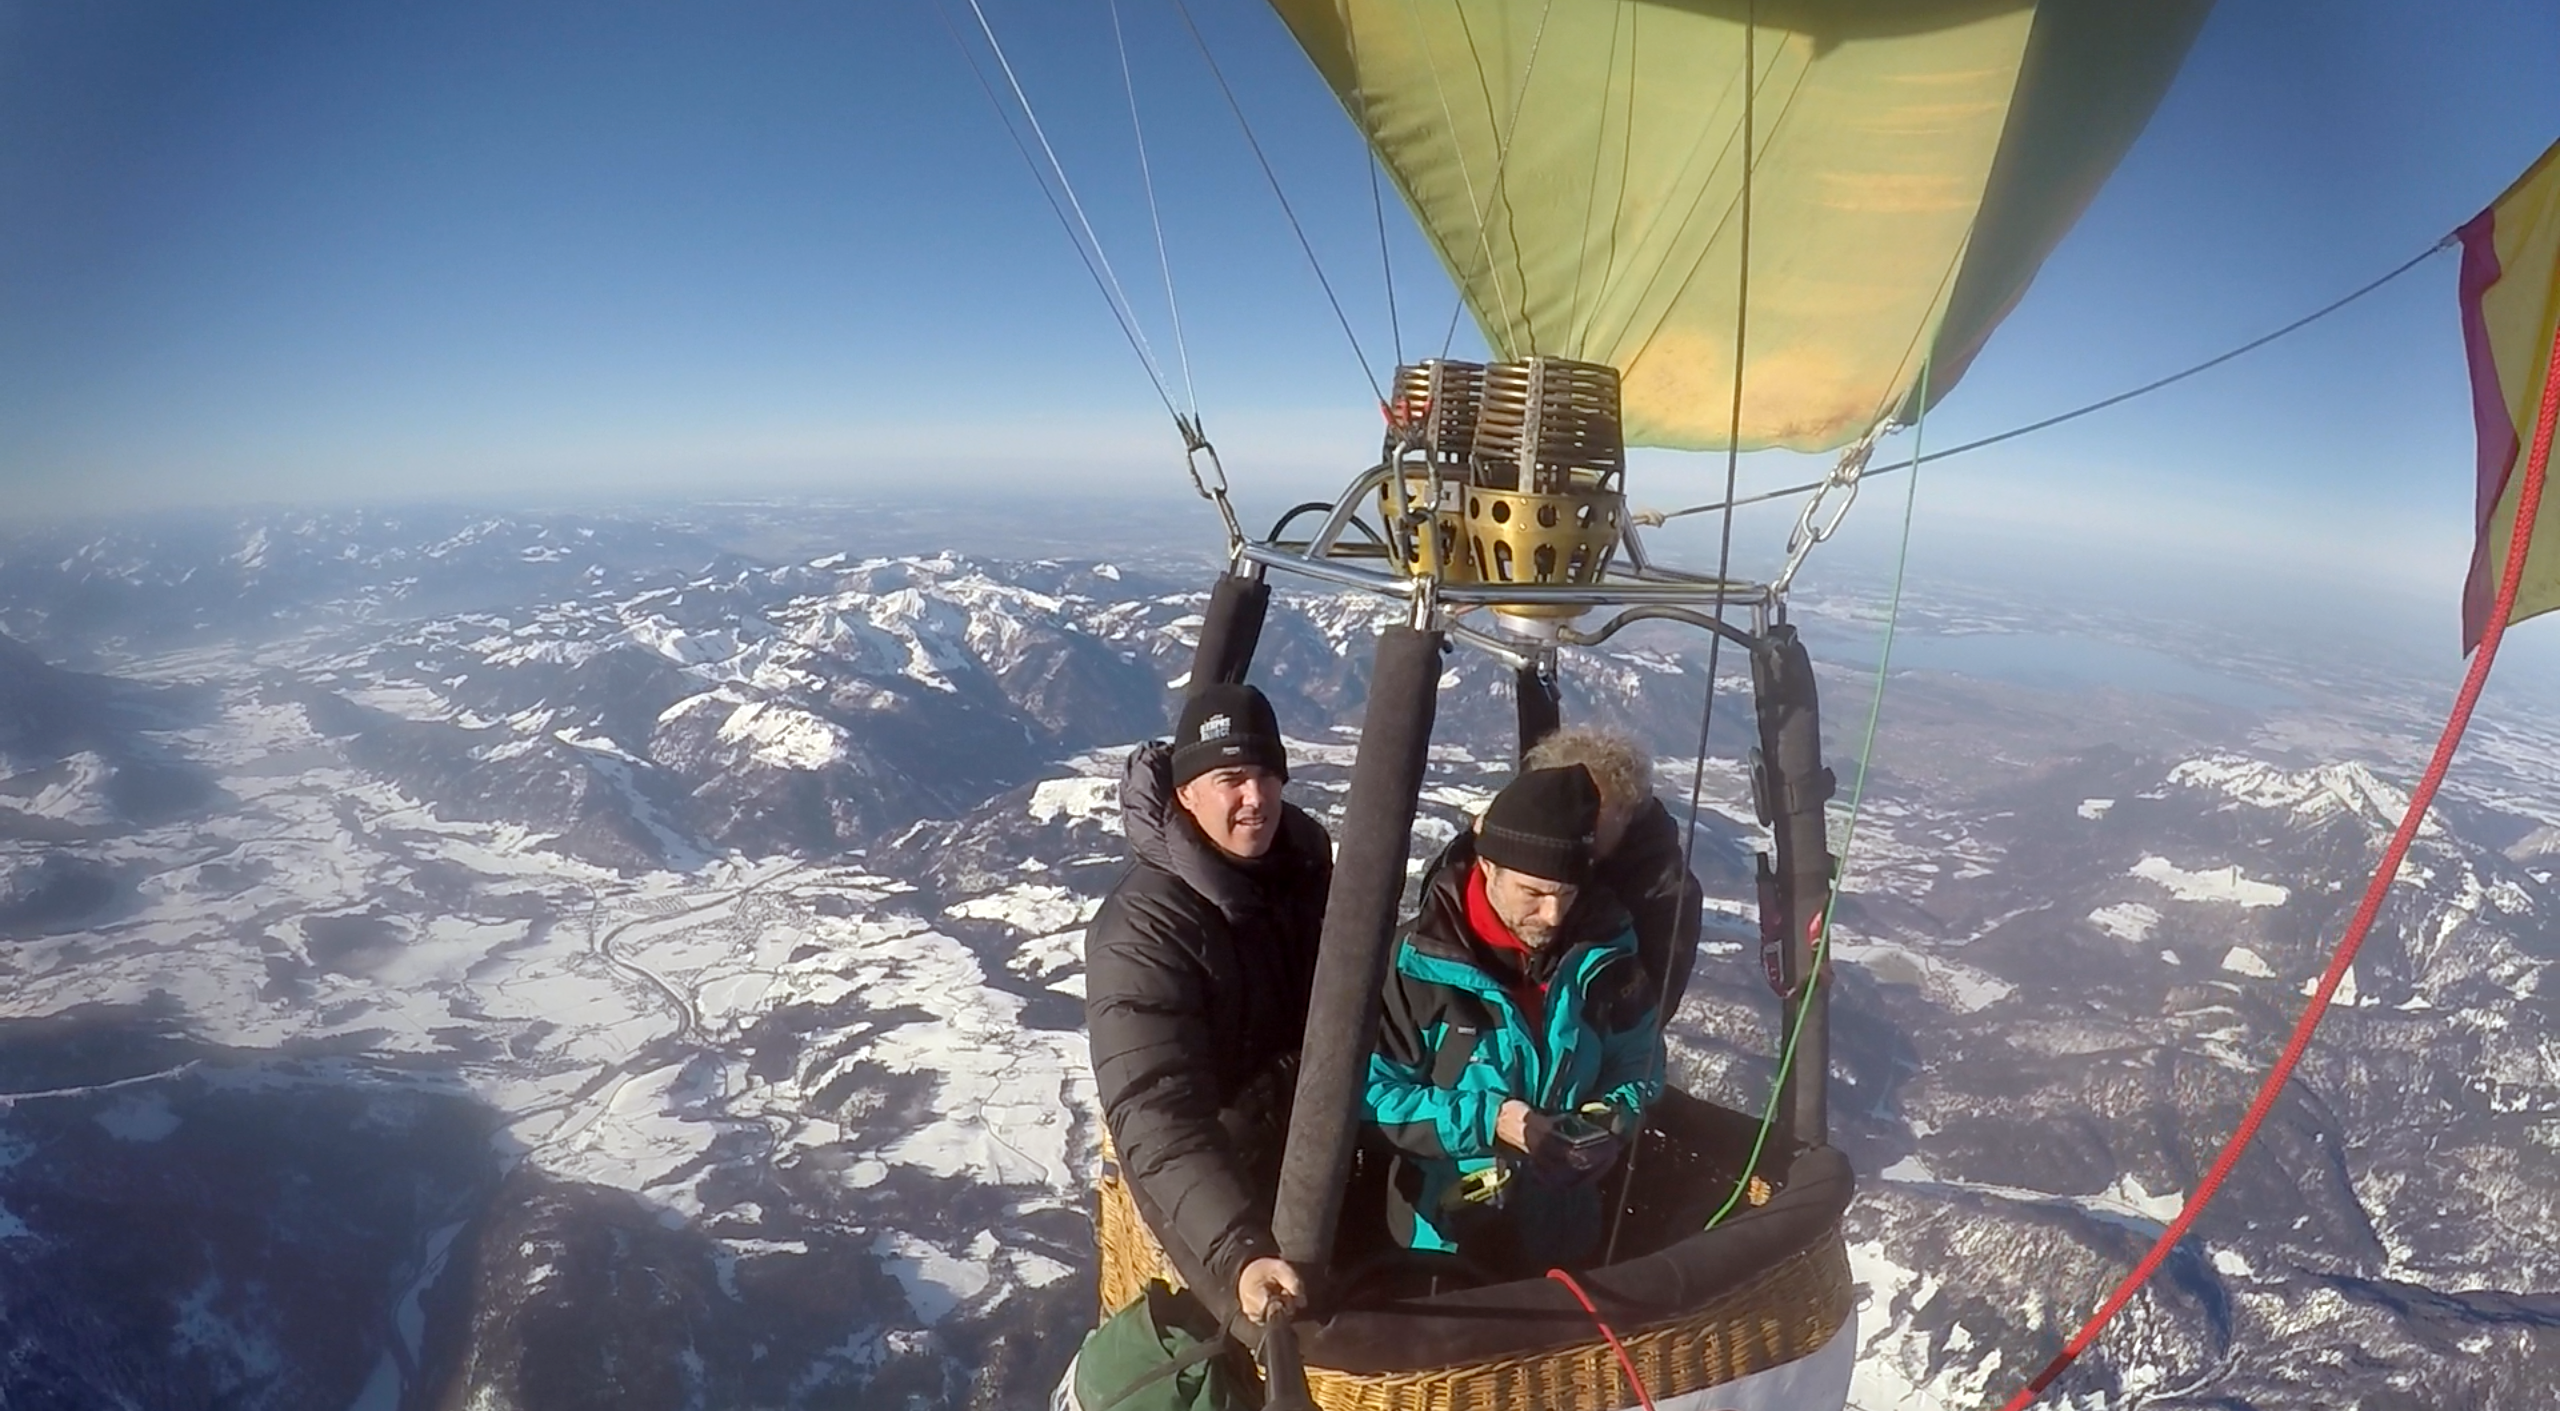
[(746, 908)]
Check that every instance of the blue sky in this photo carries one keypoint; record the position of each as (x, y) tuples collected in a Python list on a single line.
[(323, 251)]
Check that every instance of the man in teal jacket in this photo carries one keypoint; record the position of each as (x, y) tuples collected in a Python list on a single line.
[(1519, 1045)]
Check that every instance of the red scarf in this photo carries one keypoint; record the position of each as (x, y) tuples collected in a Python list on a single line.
[(1489, 928)]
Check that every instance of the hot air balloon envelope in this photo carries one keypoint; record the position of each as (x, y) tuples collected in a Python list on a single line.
[(1578, 166)]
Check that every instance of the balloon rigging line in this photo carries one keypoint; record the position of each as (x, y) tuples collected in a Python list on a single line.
[(2519, 544), (1117, 294), (1695, 213), (1155, 218), (1484, 237), (1377, 202), (1502, 157), (1386, 263), (1729, 502), (1591, 194), (1119, 315), (1724, 565), (1849, 837), (1273, 177), (1501, 161), (1857, 805)]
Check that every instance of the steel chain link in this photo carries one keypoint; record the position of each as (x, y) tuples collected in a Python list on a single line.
[(1811, 528)]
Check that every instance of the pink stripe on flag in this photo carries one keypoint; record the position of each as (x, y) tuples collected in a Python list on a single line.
[(2497, 432)]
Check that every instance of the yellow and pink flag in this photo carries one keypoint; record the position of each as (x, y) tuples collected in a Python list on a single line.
[(2510, 308)]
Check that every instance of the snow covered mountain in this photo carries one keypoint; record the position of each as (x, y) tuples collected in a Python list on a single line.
[(628, 965)]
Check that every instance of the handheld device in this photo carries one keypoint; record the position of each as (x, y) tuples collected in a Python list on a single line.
[(1578, 1132)]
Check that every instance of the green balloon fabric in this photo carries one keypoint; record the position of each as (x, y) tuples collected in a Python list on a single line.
[(1578, 166)]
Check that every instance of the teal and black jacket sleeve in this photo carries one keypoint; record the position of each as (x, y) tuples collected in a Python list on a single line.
[(1413, 1113), (1631, 1047)]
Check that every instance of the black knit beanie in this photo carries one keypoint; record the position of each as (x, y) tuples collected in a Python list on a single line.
[(1544, 823), (1223, 726)]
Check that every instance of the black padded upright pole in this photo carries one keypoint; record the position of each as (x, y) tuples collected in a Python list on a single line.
[(1229, 631), (1359, 925), (1792, 786), (1284, 1371), (1539, 699)]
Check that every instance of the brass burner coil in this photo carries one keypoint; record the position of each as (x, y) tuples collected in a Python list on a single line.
[(1430, 436), (1433, 409), (1548, 424), (1511, 472)]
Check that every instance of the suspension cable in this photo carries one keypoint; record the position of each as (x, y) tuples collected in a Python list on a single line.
[(1591, 194), (1377, 201), (1103, 284), (1386, 263), (1273, 177), (1724, 565), (1147, 178), (1449, 123), (1655, 517), (1849, 838), (1117, 294), (2519, 545), (1501, 163)]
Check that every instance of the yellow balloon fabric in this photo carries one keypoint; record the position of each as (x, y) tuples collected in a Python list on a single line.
[(2510, 310), (1578, 166)]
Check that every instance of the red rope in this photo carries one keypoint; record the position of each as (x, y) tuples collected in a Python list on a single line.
[(2528, 503), (1626, 1364)]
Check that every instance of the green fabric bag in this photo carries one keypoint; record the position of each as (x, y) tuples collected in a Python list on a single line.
[(1161, 1353)]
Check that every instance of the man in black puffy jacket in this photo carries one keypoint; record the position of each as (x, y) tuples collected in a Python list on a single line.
[(1197, 971)]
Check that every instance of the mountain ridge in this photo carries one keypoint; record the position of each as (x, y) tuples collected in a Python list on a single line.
[(718, 923)]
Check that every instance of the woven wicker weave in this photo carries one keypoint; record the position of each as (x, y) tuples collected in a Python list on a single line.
[(1130, 1254), (1788, 1313)]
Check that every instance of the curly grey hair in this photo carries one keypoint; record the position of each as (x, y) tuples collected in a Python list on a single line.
[(1622, 768)]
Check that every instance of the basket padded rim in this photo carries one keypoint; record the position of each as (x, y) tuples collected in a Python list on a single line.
[(1531, 1315)]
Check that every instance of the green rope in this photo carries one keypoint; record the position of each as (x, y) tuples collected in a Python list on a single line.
[(1849, 839)]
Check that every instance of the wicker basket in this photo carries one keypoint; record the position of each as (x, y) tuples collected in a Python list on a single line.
[(1129, 1253), (1788, 1313)]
